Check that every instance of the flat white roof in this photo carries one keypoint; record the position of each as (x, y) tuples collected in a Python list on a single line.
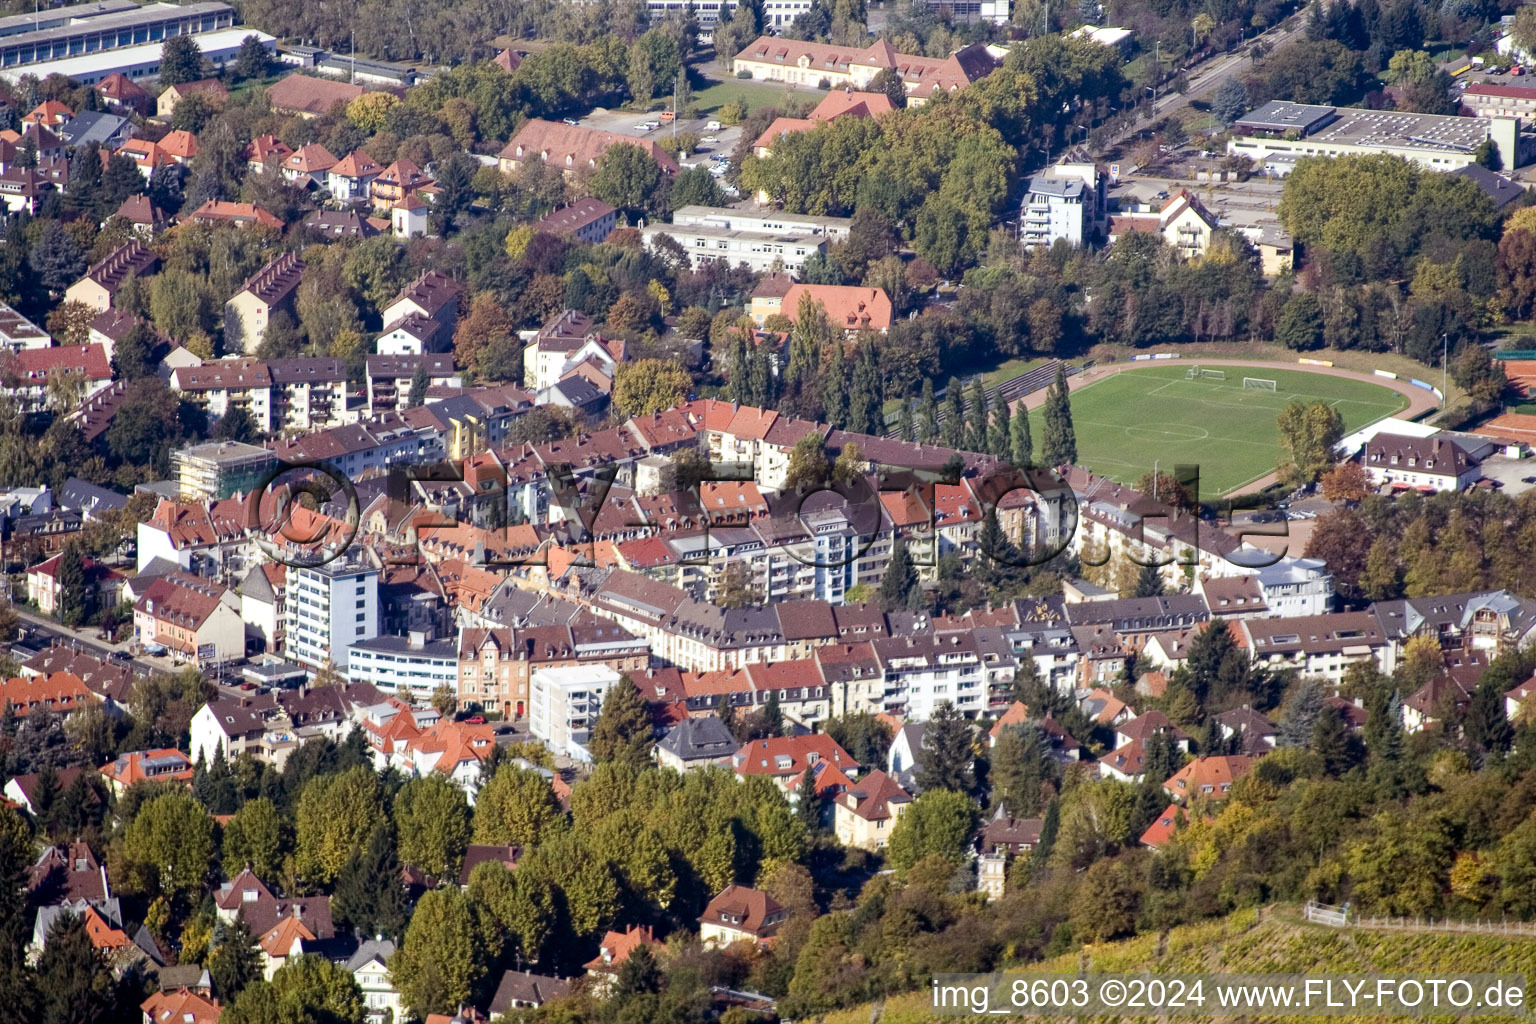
[(1391, 425), (92, 67)]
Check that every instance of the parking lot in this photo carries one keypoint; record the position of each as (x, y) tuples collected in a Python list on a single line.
[(719, 140)]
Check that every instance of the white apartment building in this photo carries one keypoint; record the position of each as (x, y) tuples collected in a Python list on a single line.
[(563, 704), (1066, 201), (409, 666), (923, 672), (1296, 586), (328, 609), (761, 251)]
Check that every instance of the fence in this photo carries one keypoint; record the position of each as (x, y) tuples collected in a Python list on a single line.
[(1340, 917), (1515, 353)]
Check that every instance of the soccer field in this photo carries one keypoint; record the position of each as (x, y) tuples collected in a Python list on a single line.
[(1126, 420)]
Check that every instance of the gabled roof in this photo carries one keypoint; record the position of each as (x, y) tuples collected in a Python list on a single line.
[(356, 164), (573, 146), (309, 159), (875, 797), (305, 94), (745, 910)]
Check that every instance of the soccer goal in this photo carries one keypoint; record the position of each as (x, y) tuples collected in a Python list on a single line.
[(1258, 384), (1213, 374)]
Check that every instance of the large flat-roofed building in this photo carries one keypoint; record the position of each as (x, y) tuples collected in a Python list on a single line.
[(1279, 133), (758, 250), (35, 21), (139, 63), (763, 221), (94, 31)]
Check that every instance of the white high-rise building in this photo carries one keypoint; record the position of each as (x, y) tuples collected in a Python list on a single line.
[(563, 703), (328, 608)]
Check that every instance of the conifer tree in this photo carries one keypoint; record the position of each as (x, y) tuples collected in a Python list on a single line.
[(927, 414), (900, 577), (944, 762), (1000, 436), (623, 730), (370, 894), (1060, 443), (952, 427), (1021, 447)]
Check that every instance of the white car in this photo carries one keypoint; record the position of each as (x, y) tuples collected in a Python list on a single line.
[(651, 126), (642, 127), (712, 126), (719, 169), (711, 139)]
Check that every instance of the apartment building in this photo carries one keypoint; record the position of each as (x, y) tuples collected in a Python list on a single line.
[(220, 469), (330, 607), (413, 666), (564, 703), (270, 289)]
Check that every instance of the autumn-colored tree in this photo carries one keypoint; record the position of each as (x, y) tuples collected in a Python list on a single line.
[(1348, 481), (647, 386), (486, 322)]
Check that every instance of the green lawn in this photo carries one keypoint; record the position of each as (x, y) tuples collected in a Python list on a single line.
[(749, 94), (1125, 421)]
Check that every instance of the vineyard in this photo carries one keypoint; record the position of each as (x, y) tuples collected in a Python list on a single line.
[(1276, 942)]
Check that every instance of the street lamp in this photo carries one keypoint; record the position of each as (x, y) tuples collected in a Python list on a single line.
[(1444, 349)]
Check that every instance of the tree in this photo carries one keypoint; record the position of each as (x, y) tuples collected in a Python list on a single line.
[(134, 356), (443, 957), (1060, 442), (938, 823), (1300, 713), (516, 807), (1339, 748), (623, 730), (74, 983), (337, 815), (1487, 726), (307, 988), (522, 906), (1021, 765), (626, 177), (57, 258), (1310, 432), (1300, 324), (181, 60), (170, 846), (646, 386), (252, 60), (1348, 481), (654, 63), (419, 381), (944, 761), (695, 186), (1149, 582), (1230, 101), (1107, 901), (889, 82), (235, 960), (900, 579), (866, 738), (370, 895), (433, 822), (73, 598), (808, 466), (256, 837), (486, 322)]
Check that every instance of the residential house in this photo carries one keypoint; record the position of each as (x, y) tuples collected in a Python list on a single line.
[(774, 59), (240, 215), (1317, 645), (586, 220), (614, 950), (784, 758), (309, 97), (121, 93), (865, 814), (106, 130), (351, 178), (210, 89), (103, 280), (396, 182), (266, 153), (741, 914), (308, 165), (164, 765), (849, 309), (409, 218), (1427, 464), (180, 1006), (104, 586), (195, 618), (270, 289), (1209, 777), (572, 148), (519, 990), (61, 693), (433, 294), (146, 219), (369, 967), (696, 743)]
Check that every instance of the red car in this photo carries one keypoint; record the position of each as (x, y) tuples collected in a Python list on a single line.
[(475, 720)]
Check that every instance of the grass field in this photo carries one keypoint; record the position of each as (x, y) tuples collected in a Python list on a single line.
[(1126, 421), (750, 95)]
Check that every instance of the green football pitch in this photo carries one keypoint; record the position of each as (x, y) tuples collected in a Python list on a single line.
[(1129, 419)]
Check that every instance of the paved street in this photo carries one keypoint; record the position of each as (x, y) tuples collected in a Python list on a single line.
[(1204, 80)]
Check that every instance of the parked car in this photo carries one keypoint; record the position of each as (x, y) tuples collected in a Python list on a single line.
[(1528, 479), (572, 121), (710, 139), (643, 126), (475, 720)]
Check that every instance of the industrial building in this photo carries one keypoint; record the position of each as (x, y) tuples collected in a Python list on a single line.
[(1280, 132), (89, 42)]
